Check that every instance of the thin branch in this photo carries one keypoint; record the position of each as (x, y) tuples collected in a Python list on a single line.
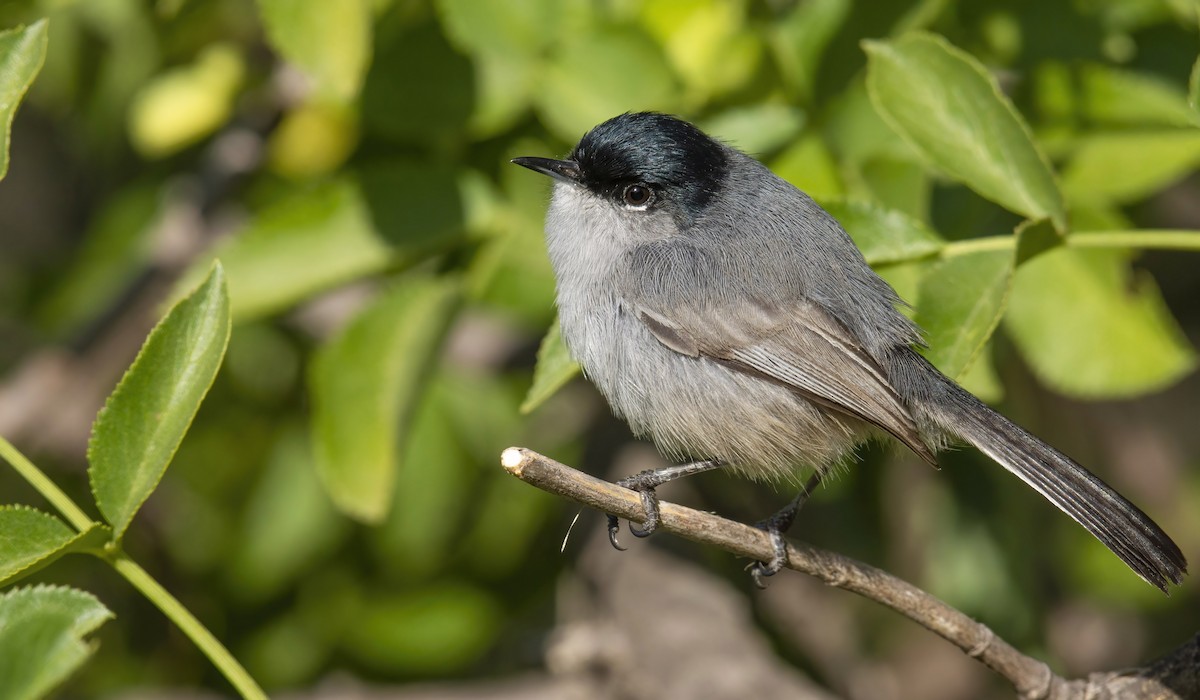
[(1032, 679), (1148, 239)]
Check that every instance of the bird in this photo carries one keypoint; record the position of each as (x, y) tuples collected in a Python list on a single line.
[(725, 315)]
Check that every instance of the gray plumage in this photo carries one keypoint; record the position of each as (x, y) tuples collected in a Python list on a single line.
[(730, 317)]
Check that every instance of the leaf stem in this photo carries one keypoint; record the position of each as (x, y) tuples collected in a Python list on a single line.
[(1158, 239), (183, 618), (49, 490)]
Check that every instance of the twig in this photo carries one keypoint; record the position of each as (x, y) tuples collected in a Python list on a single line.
[(1174, 677)]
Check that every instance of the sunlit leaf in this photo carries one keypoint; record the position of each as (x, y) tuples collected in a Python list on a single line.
[(809, 165), (186, 104), (31, 539), (884, 235), (590, 82), (707, 43), (22, 52), (554, 369), (365, 385), (1126, 167), (330, 41), (945, 104), (1123, 97), (313, 139), (42, 632), (758, 129), (495, 27), (1088, 330), (960, 304), (326, 232), (145, 418)]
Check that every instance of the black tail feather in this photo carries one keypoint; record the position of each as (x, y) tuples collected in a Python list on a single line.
[(1112, 519)]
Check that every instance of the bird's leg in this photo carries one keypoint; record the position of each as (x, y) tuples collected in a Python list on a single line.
[(644, 483), (775, 526)]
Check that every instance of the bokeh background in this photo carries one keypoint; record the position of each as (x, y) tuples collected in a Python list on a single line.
[(333, 152)]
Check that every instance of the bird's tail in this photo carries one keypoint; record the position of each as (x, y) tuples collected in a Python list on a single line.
[(1116, 522)]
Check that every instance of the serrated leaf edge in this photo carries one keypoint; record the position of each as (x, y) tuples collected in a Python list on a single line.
[(44, 38), (217, 272)]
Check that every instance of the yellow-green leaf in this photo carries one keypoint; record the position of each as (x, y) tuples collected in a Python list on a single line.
[(943, 102), (186, 104), (22, 52), (329, 41), (143, 421), (42, 631), (1090, 331), (554, 369), (365, 384), (884, 235), (601, 74), (1127, 167), (960, 303), (326, 232)]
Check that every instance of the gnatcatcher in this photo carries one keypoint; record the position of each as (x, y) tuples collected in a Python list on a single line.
[(726, 315)]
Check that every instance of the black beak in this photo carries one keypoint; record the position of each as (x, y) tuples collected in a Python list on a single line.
[(562, 170)]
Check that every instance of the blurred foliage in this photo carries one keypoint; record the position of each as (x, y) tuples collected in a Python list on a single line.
[(1000, 163)]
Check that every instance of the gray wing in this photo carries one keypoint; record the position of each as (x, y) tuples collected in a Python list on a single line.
[(800, 346)]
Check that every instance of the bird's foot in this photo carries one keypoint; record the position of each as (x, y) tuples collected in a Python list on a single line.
[(645, 483), (775, 526)]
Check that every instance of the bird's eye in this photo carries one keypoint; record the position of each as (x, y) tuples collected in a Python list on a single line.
[(638, 195)]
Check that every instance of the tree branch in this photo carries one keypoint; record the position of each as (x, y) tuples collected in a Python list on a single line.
[(1175, 677)]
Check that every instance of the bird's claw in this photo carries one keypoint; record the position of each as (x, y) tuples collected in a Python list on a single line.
[(779, 556), (649, 504)]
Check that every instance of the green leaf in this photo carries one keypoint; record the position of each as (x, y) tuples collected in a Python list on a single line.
[(289, 524), (554, 369), (404, 547), (1035, 238), (42, 632), (365, 384), (22, 52), (800, 38), (325, 232), (1122, 97), (143, 421), (1127, 167), (590, 81), (436, 630), (495, 28), (809, 165), (419, 89), (943, 102), (884, 235), (330, 41), (960, 304), (707, 42), (115, 249), (756, 129), (31, 539), (184, 105), (1088, 330)]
